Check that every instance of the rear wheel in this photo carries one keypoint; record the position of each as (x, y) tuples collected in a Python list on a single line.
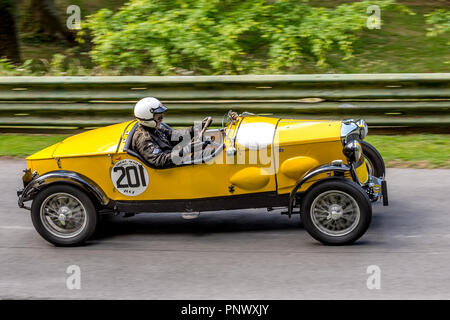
[(64, 215), (336, 212), (374, 160)]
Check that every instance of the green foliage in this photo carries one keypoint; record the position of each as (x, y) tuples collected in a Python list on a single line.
[(7, 68), (440, 19), (400, 46), (57, 64), (223, 36)]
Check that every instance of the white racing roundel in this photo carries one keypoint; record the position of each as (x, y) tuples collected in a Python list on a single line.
[(129, 177)]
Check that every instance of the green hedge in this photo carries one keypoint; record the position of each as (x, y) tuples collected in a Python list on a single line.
[(225, 36)]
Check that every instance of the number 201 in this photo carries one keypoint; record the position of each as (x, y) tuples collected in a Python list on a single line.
[(126, 172)]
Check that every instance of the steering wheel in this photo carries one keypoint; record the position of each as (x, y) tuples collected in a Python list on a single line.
[(198, 137), (197, 140)]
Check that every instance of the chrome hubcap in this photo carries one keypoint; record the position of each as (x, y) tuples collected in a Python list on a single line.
[(335, 213), (63, 215), (63, 212)]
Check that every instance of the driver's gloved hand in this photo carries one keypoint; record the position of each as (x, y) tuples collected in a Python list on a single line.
[(208, 140)]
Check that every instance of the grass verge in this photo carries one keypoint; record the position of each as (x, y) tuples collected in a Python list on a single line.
[(409, 151), (15, 145), (414, 151)]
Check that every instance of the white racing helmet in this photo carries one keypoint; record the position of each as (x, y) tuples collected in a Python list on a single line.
[(145, 110)]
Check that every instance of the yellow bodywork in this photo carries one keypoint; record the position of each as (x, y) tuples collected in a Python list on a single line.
[(294, 148)]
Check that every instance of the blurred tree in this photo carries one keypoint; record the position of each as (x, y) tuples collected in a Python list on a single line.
[(224, 36), (440, 21), (43, 18), (9, 40)]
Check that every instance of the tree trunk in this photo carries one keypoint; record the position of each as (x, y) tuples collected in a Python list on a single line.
[(46, 20), (9, 39)]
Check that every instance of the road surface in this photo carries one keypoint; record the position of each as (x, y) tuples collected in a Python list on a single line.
[(240, 254)]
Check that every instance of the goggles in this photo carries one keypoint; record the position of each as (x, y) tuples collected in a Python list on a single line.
[(158, 116)]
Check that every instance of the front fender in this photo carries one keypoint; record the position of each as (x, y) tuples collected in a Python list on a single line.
[(62, 176), (314, 172)]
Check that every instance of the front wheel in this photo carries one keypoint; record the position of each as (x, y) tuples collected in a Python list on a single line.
[(63, 215), (336, 212)]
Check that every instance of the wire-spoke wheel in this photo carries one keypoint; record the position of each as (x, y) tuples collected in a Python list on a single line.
[(336, 211), (64, 215)]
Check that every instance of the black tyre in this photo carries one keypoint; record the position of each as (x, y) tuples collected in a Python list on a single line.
[(63, 215), (374, 160), (336, 212)]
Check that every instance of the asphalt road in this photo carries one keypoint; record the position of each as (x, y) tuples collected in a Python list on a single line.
[(241, 254)]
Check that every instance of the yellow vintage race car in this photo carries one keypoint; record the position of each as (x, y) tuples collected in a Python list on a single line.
[(320, 169)]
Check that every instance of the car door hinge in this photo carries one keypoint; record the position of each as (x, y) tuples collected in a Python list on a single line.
[(111, 158), (58, 162)]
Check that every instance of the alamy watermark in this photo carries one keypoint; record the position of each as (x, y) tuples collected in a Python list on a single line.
[(374, 20), (374, 279), (73, 281), (73, 22)]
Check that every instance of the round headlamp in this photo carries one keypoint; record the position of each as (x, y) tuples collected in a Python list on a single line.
[(363, 128), (353, 151)]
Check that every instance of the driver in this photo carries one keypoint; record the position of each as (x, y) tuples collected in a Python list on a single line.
[(153, 141)]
